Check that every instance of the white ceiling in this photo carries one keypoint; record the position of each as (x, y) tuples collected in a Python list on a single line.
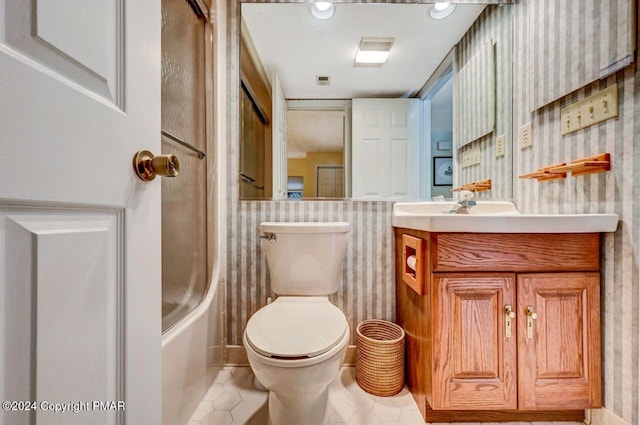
[(298, 47), (314, 131)]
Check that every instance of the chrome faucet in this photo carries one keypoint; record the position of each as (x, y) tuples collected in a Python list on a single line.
[(464, 204)]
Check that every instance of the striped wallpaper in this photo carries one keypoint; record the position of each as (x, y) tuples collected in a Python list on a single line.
[(556, 53), (494, 24), (475, 89), (368, 276), (367, 285), (617, 191)]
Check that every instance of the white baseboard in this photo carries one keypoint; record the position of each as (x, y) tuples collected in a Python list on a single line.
[(236, 355), (603, 416)]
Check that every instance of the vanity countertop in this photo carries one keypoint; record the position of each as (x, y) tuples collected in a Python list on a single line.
[(495, 217)]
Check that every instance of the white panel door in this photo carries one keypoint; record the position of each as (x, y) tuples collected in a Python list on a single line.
[(79, 233), (385, 148), (279, 139)]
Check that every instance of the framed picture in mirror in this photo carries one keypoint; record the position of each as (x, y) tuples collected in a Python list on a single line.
[(442, 171)]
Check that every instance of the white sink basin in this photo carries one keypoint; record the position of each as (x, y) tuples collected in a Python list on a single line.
[(495, 217)]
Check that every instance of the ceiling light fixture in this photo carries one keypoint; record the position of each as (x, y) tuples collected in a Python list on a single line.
[(373, 51), (322, 9), (441, 10)]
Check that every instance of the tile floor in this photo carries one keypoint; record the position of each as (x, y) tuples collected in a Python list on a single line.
[(233, 400)]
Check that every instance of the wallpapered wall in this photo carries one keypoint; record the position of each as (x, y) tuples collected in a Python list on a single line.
[(616, 191), (367, 289), (493, 25), (367, 284)]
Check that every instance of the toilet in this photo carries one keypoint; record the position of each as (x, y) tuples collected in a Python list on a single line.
[(296, 344)]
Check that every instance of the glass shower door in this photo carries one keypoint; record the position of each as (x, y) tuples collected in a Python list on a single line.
[(184, 199)]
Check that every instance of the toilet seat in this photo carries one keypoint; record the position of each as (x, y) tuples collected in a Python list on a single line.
[(296, 327)]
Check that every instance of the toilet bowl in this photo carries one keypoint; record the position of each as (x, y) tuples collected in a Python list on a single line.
[(296, 345)]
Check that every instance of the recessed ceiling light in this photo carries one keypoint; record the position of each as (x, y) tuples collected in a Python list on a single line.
[(322, 9), (441, 10), (373, 51)]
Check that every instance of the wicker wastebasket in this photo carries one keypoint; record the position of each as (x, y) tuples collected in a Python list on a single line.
[(380, 357)]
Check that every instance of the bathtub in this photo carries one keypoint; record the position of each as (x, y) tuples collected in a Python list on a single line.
[(192, 355), (192, 350)]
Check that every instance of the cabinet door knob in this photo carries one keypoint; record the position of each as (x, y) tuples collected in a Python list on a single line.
[(532, 314), (510, 312)]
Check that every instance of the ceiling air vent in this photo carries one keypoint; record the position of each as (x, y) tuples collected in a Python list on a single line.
[(323, 80)]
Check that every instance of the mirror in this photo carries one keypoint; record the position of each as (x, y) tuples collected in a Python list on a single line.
[(286, 53)]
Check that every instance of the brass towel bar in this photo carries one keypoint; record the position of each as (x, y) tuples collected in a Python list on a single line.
[(201, 154)]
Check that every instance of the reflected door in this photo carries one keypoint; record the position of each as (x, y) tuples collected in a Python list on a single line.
[(330, 182), (385, 148), (79, 232)]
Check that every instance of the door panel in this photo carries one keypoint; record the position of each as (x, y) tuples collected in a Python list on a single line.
[(371, 182), (400, 157), (79, 232), (385, 148), (559, 363), (330, 182), (560, 350), (475, 349), (89, 50), (61, 266), (475, 362)]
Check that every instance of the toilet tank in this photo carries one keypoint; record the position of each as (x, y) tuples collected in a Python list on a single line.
[(305, 258)]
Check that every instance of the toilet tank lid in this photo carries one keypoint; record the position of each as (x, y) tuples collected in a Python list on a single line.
[(304, 227)]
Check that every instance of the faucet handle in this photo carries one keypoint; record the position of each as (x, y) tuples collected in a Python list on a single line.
[(465, 195)]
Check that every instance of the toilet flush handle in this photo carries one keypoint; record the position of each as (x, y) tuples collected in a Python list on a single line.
[(271, 237)]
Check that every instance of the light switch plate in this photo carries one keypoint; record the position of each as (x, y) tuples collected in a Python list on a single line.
[(500, 148), (471, 157), (526, 135), (591, 110)]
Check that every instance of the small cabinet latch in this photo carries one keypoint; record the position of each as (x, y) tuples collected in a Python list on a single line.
[(509, 316), (531, 316)]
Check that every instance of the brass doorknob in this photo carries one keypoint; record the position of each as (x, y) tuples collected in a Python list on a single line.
[(509, 310), (147, 166), (532, 313)]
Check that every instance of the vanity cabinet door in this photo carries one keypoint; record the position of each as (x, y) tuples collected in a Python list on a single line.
[(474, 354), (559, 341)]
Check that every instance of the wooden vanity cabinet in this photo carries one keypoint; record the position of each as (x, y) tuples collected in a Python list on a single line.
[(507, 328), (474, 362), (559, 360)]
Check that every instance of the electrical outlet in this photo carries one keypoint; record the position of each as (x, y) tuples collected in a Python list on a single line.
[(526, 135), (500, 148)]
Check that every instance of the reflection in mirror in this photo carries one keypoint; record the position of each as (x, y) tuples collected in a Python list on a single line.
[(255, 129), (315, 153), (318, 148), (439, 102), (315, 60)]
